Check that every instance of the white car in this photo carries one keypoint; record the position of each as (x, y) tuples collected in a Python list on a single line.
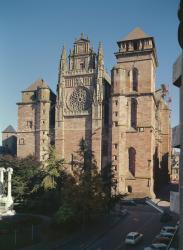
[(167, 234), (168, 229), (157, 246), (133, 237), (164, 235)]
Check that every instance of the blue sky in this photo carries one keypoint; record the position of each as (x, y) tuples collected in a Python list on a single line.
[(33, 33)]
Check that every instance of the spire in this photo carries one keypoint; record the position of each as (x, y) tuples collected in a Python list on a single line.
[(63, 54), (63, 60), (63, 63), (100, 55)]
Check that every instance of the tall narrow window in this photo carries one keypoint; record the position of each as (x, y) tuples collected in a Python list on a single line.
[(135, 79), (133, 113), (131, 160)]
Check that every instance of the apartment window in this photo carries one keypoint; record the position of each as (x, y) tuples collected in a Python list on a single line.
[(21, 141), (82, 66), (133, 113), (116, 113), (115, 145), (114, 167), (115, 157), (29, 124), (116, 102), (115, 124), (135, 45), (135, 79), (131, 160)]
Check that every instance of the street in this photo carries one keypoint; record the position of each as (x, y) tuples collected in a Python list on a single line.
[(141, 218)]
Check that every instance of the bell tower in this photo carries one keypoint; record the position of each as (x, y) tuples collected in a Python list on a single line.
[(133, 112)]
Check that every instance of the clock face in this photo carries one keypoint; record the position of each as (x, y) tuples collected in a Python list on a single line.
[(80, 100)]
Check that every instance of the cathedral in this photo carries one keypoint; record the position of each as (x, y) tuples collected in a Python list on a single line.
[(123, 118)]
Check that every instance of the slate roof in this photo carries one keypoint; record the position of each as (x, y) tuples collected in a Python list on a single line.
[(9, 129), (136, 33), (39, 83)]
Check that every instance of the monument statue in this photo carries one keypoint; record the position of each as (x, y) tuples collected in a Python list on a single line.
[(6, 201)]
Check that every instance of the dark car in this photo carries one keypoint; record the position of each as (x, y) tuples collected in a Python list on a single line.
[(162, 239)]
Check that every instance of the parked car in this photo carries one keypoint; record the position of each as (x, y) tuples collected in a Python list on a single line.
[(161, 239), (169, 229), (165, 234), (133, 237), (157, 246)]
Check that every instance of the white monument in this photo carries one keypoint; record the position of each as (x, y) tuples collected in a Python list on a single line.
[(6, 201)]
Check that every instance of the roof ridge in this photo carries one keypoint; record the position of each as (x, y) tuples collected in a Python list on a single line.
[(9, 129), (136, 33), (36, 84)]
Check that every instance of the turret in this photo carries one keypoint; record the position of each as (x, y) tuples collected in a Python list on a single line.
[(100, 56), (63, 64)]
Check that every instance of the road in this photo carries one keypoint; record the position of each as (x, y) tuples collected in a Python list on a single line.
[(141, 218)]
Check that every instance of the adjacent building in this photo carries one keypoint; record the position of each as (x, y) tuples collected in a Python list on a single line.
[(9, 141), (36, 121)]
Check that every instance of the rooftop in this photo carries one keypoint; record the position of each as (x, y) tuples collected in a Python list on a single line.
[(9, 129), (40, 83), (135, 34)]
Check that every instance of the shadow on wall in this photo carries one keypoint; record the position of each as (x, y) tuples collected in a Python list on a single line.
[(160, 173)]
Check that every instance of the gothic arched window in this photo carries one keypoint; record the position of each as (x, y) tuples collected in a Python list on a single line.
[(131, 160), (135, 79), (133, 113)]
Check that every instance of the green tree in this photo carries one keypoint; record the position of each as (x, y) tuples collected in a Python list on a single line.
[(51, 170), (25, 173)]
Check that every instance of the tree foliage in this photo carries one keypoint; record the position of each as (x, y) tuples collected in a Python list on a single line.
[(77, 196)]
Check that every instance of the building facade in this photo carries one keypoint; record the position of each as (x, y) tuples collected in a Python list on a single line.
[(9, 141), (140, 117), (123, 119), (36, 121), (82, 103)]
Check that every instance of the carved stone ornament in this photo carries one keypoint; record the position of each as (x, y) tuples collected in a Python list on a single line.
[(79, 100)]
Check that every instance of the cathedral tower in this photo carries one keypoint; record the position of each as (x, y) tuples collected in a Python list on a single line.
[(82, 102), (36, 117), (134, 128)]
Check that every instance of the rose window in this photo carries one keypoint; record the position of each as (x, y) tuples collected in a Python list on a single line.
[(80, 100)]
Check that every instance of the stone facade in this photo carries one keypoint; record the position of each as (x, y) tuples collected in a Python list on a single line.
[(124, 121), (140, 123), (82, 102), (36, 121)]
